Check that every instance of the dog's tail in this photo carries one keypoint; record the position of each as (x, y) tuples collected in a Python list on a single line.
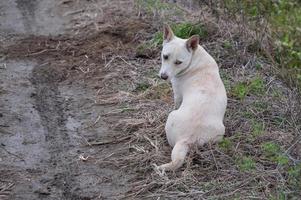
[(178, 155)]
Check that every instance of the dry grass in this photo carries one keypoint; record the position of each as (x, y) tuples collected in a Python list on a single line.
[(212, 171), (239, 167)]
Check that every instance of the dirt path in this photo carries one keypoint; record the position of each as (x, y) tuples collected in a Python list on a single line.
[(45, 123)]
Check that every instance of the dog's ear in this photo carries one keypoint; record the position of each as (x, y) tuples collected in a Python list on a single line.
[(192, 43), (167, 33)]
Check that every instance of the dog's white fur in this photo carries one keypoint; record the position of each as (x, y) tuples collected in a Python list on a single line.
[(199, 95)]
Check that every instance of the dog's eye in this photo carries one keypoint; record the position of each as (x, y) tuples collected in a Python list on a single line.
[(178, 62), (165, 57)]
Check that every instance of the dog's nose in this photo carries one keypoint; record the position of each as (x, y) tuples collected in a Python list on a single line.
[(164, 76)]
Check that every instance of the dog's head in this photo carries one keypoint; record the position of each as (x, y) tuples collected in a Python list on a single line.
[(176, 53)]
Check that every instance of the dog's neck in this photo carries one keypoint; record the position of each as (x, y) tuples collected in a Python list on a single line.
[(201, 65), (200, 62)]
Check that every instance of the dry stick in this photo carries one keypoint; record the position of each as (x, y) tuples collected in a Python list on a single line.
[(110, 141), (287, 152), (152, 143), (213, 157), (40, 52), (36, 53), (97, 119), (114, 59), (290, 148), (124, 60), (109, 62), (73, 12), (6, 188), (86, 141), (94, 123)]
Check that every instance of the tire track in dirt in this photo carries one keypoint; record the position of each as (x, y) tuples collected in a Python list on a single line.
[(56, 116), (50, 106)]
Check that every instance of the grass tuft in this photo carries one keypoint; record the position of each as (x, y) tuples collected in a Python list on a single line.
[(246, 163), (255, 87), (225, 144)]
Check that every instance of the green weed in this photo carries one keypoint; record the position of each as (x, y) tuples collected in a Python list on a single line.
[(153, 6), (242, 89), (260, 106), (226, 79), (246, 163), (257, 128), (284, 18), (157, 39), (270, 149), (294, 176), (141, 87), (186, 30), (282, 160), (182, 30), (279, 196), (225, 144), (273, 152), (227, 44), (257, 86), (258, 66)]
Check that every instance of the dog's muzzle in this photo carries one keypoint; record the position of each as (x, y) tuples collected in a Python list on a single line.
[(164, 76)]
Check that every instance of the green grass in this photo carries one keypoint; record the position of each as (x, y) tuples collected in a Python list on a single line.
[(141, 87), (256, 87), (153, 6), (157, 39), (258, 66), (182, 30), (270, 149), (226, 79), (186, 30), (294, 176), (246, 163), (227, 44), (282, 160), (279, 196), (284, 18), (257, 128), (240, 90), (273, 152), (260, 106), (225, 144), (142, 48)]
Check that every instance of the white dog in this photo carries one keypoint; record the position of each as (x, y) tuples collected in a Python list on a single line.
[(199, 95)]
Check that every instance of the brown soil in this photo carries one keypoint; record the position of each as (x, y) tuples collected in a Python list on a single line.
[(49, 120)]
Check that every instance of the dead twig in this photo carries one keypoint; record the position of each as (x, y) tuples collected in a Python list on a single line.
[(110, 141), (10, 185), (12, 153), (40, 52)]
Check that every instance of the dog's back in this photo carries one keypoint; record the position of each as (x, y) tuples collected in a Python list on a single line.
[(203, 104)]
